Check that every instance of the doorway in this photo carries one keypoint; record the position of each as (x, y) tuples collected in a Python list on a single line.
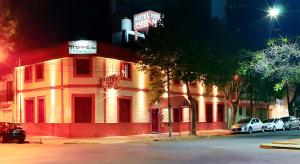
[(155, 120)]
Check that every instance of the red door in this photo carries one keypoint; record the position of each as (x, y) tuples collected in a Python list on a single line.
[(29, 111), (124, 110), (41, 111), (220, 113), (177, 115), (209, 113), (155, 121), (83, 109)]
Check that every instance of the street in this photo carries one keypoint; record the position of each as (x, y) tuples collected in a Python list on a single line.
[(240, 148)]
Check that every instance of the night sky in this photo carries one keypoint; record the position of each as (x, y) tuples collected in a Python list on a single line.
[(43, 23)]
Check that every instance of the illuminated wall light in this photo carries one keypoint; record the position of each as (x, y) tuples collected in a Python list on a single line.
[(201, 88), (53, 73), (20, 95), (215, 102), (215, 90), (215, 106), (141, 77), (142, 113), (53, 105), (202, 112), (111, 110), (52, 70)]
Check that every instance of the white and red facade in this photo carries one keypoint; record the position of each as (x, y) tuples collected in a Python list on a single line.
[(61, 94)]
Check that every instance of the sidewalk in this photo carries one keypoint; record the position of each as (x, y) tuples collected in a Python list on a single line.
[(138, 139), (293, 144)]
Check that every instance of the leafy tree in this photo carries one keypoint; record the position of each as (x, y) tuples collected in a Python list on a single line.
[(157, 51), (280, 62), (7, 30)]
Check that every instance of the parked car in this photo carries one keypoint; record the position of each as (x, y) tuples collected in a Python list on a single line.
[(291, 122), (11, 132), (248, 126), (273, 124)]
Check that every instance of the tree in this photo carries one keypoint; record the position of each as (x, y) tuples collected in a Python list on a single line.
[(280, 62), (7, 30), (157, 51)]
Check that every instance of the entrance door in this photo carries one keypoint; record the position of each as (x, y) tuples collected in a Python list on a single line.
[(209, 113), (155, 120), (83, 109), (29, 111)]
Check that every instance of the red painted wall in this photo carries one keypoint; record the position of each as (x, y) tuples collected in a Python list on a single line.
[(109, 129), (87, 129)]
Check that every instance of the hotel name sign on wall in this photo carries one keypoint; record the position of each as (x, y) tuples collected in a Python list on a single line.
[(83, 47)]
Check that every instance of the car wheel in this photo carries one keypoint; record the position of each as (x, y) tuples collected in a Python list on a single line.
[(262, 129), (250, 130), (274, 129), (283, 128)]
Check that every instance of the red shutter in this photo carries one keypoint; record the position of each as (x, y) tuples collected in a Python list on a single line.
[(41, 110), (177, 114), (83, 109), (28, 73), (209, 113), (220, 113), (29, 111)]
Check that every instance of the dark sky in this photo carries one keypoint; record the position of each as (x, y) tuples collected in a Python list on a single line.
[(46, 22)]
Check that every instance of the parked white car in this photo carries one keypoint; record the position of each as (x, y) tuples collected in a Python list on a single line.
[(248, 125), (273, 124)]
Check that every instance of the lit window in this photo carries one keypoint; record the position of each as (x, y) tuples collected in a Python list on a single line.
[(39, 71), (82, 67), (125, 71), (28, 74)]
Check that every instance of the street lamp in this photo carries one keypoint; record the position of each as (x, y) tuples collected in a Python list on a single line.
[(274, 12)]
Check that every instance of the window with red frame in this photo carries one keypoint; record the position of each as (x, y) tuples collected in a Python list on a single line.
[(83, 67), (28, 73), (125, 71), (39, 71)]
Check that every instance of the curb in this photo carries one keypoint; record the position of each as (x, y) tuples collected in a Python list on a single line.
[(279, 146), (286, 143)]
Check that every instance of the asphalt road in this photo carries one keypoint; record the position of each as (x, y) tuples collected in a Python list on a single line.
[(236, 149)]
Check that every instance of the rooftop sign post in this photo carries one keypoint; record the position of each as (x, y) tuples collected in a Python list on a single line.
[(83, 47)]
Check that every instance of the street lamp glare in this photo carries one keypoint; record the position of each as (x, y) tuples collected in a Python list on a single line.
[(274, 12)]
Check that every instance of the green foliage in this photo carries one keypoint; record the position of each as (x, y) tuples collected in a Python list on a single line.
[(280, 62)]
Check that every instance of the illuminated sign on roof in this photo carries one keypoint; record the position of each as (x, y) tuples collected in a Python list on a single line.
[(143, 20), (83, 47)]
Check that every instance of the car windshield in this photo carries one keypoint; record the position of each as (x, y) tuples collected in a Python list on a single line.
[(285, 119), (243, 121), (268, 120)]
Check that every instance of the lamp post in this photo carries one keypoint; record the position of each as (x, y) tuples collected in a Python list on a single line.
[(274, 12)]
